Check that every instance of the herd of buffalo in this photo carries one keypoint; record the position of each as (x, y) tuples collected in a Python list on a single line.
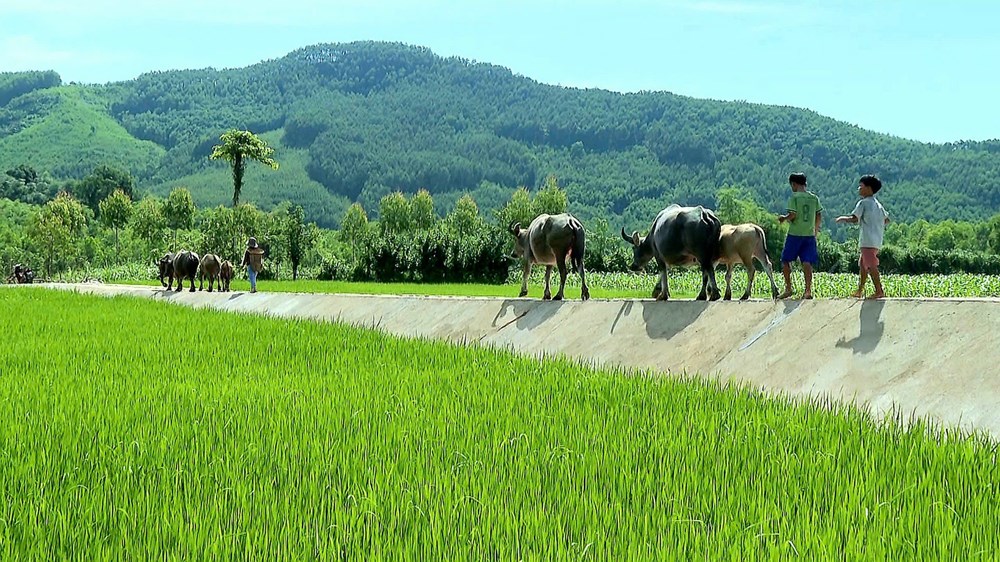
[(678, 236), (186, 265)]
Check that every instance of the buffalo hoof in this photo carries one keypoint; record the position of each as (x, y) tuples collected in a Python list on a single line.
[(716, 296), (558, 297), (729, 297), (192, 289), (585, 294), (522, 294), (546, 297), (745, 297)]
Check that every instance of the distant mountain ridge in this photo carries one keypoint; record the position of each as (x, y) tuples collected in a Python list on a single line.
[(355, 121)]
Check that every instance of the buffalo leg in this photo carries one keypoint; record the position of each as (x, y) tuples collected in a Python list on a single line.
[(709, 288), (548, 292), (584, 290), (201, 283), (729, 281), (768, 270), (192, 283), (524, 280), (664, 286), (751, 272), (561, 264)]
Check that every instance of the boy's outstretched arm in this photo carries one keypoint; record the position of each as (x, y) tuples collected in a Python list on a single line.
[(849, 218), (789, 216)]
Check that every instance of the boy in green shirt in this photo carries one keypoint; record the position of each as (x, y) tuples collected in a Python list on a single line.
[(804, 218)]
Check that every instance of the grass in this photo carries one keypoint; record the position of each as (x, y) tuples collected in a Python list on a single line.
[(683, 285), (139, 430)]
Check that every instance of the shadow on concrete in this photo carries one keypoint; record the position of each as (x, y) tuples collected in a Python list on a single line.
[(665, 319), (525, 314), (872, 328)]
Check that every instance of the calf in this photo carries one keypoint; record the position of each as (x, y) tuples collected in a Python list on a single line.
[(742, 243), (210, 267), (225, 275)]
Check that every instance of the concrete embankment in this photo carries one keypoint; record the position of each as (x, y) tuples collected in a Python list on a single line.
[(933, 358)]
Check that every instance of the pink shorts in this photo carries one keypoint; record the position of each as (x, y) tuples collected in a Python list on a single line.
[(869, 258)]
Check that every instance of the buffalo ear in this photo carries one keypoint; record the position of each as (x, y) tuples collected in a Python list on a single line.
[(515, 228), (635, 238)]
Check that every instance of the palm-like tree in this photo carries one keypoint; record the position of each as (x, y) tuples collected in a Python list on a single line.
[(237, 147)]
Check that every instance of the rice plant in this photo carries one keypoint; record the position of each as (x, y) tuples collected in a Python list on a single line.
[(135, 429)]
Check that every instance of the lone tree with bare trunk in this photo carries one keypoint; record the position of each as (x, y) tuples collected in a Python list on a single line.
[(237, 147)]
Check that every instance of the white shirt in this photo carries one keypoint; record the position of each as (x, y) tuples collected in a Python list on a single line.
[(871, 218)]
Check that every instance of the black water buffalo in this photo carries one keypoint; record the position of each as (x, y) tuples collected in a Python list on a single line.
[(548, 241), (680, 236), (185, 267), (211, 267), (166, 265), (225, 275)]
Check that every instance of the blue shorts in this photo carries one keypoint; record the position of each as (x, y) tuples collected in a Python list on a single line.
[(800, 247)]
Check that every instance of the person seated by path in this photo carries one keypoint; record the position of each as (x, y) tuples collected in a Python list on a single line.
[(872, 216), (253, 258), (17, 276), (803, 216)]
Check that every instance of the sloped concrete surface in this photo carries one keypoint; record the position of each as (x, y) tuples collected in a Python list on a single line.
[(937, 358)]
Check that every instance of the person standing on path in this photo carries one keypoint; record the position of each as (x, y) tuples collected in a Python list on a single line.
[(803, 215), (253, 258), (872, 216)]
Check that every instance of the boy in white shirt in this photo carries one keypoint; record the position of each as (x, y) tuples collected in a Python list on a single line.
[(872, 217)]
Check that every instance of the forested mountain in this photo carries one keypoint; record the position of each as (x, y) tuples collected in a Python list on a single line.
[(357, 121)]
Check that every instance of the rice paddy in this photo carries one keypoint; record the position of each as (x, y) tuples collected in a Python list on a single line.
[(137, 430)]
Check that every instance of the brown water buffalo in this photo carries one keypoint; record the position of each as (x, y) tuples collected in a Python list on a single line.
[(742, 243), (185, 267), (680, 236), (166, 265), (548, 241), (225, 275), (210, 268)]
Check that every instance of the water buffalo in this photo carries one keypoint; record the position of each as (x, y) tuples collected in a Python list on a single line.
[(741, 244), (225, 275), (185, 267), (680, 236), (210, 267), (166, 265), (548, 241)]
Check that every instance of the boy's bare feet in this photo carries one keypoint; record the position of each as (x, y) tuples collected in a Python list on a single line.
[(857, 294), (785, 295), (877, 296)]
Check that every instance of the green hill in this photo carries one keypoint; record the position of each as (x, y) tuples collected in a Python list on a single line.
[(356, 121)]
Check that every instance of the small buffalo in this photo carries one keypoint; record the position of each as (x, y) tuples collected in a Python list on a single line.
[(225, 275), (741, 244), (166, 265), (680, 236), (548, 241), (185, 267), (210, 267)]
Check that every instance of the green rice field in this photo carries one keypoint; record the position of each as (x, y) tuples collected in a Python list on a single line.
[(139, 430)]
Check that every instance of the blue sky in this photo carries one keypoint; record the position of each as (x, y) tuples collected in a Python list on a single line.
[(924, 70)]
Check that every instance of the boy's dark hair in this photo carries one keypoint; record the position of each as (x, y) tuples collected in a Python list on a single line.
[(872, 182), (798, 178)]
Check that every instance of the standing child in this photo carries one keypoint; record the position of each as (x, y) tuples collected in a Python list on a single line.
[(803, 216), (872, 217), (253, 258)]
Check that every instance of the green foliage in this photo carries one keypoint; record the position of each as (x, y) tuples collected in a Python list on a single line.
[(56, 229), (551, 199), (16, 84), (101, 183), (116, 210), (179, 209), (422, 213), (24, 183), (395, 214), (237, 148), (301, 237), (464, 219), (149, 223)]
